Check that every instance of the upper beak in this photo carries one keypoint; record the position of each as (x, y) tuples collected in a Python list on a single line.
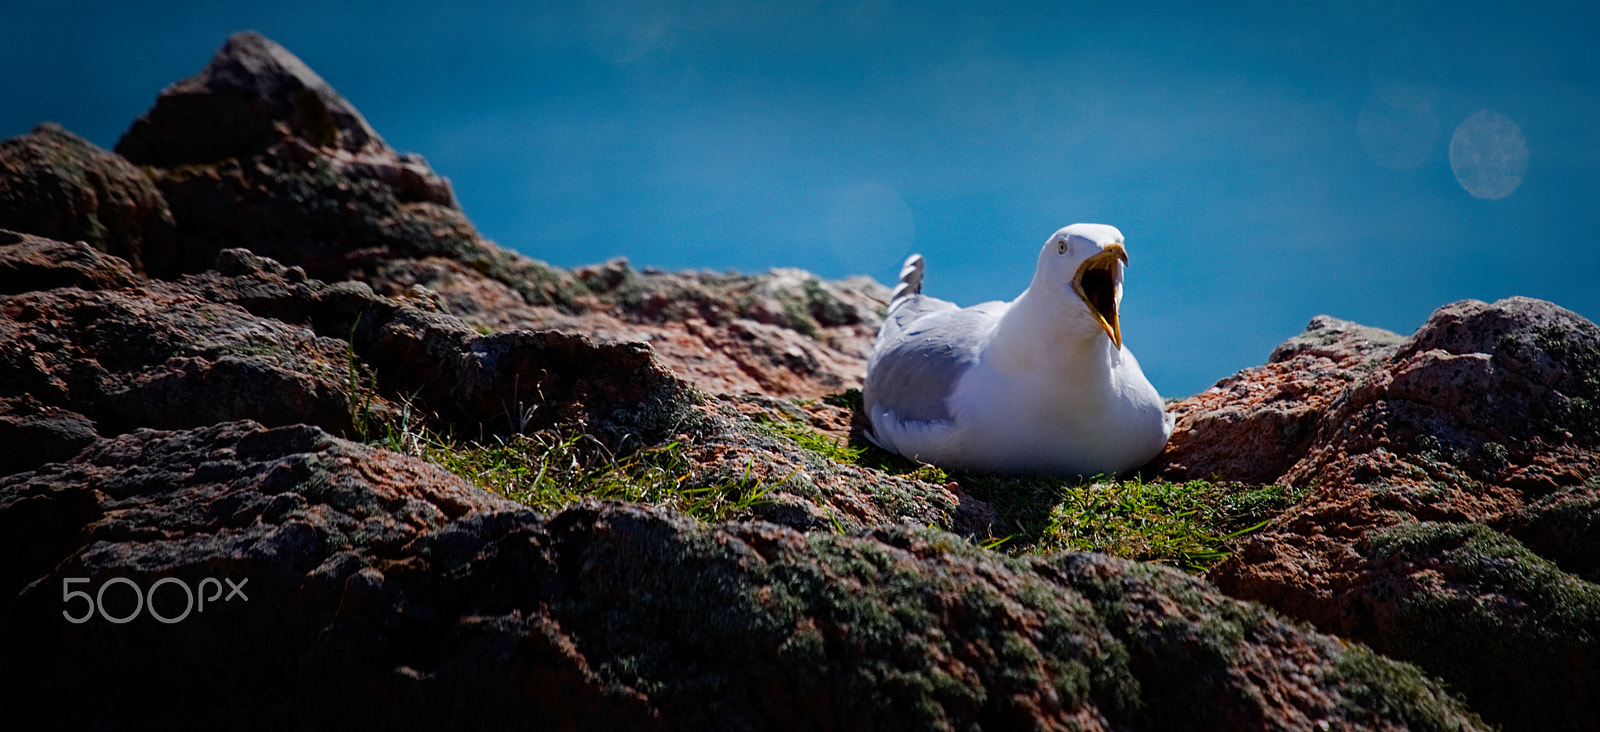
[(1099, 282)]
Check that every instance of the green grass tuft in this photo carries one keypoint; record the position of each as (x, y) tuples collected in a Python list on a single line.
[(1185, 525), (361, 388), (548, 471), (833, 448)]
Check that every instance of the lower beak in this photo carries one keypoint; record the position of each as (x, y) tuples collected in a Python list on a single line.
[(1113, 329)]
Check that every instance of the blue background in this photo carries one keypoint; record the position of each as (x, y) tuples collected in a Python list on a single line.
[(1267, 161)]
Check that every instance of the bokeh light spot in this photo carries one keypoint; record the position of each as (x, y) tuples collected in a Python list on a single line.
[(1489, 155)]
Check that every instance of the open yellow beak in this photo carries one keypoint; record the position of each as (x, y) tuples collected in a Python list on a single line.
[(1099, 282)]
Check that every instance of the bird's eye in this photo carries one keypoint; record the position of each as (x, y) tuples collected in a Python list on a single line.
[(1061, 247)]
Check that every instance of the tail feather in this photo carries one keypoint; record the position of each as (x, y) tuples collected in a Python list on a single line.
[(910, 280)]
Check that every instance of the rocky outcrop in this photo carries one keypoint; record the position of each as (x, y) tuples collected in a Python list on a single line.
[(31, 263), (786, 333), (198, 350), (252, 338), (1253, 426), (381, 592), (117, 353), (98, 352), (1452, 482), (58, 185), (1500, 394), (257, 151), (253, 95)]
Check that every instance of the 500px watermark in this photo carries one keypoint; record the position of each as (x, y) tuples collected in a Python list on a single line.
[(145, 600)]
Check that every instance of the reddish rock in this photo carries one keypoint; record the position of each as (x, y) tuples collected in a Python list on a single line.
[(34, 434), (460, 381), (1480, 394), (1498, 389), (785, 333), (257, 151), (1485, 420), (29, 263), (57, 185), (154, 354), (738, 442), (381, 591), (1450, 483), (1253, 426), (255, 339), (254, 94)]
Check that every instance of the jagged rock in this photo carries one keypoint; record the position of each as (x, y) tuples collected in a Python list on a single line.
[(1484, 420), (812, 491), (231, 501), (252, 95), (29, 263), (34, 434), (1507, 391), (784, 333), (257, 151), (382, 592), (132, 354), (1253, 426), (255, 339), (1505, 394), (466, 382), (517, 380), (252, 338), (57, 185), (1450, 482)]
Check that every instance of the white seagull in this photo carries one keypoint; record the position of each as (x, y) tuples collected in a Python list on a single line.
[(1039, 384)]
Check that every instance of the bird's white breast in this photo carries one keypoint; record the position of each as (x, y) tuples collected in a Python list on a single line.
[(1084, 423)]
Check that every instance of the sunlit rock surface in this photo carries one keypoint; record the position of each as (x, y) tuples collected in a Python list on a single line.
[(201, 329)]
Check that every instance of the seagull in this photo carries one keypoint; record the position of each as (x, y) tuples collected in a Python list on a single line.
[(1042, 384)]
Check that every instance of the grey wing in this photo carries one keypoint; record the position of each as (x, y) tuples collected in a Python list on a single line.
[(926, 344)]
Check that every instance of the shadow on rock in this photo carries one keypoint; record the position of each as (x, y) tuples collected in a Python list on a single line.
[(381, 591)]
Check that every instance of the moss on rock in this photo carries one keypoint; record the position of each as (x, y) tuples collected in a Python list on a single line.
[(1504, 626)]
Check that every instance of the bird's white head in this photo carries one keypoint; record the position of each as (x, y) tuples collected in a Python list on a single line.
[(1082, 265)]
